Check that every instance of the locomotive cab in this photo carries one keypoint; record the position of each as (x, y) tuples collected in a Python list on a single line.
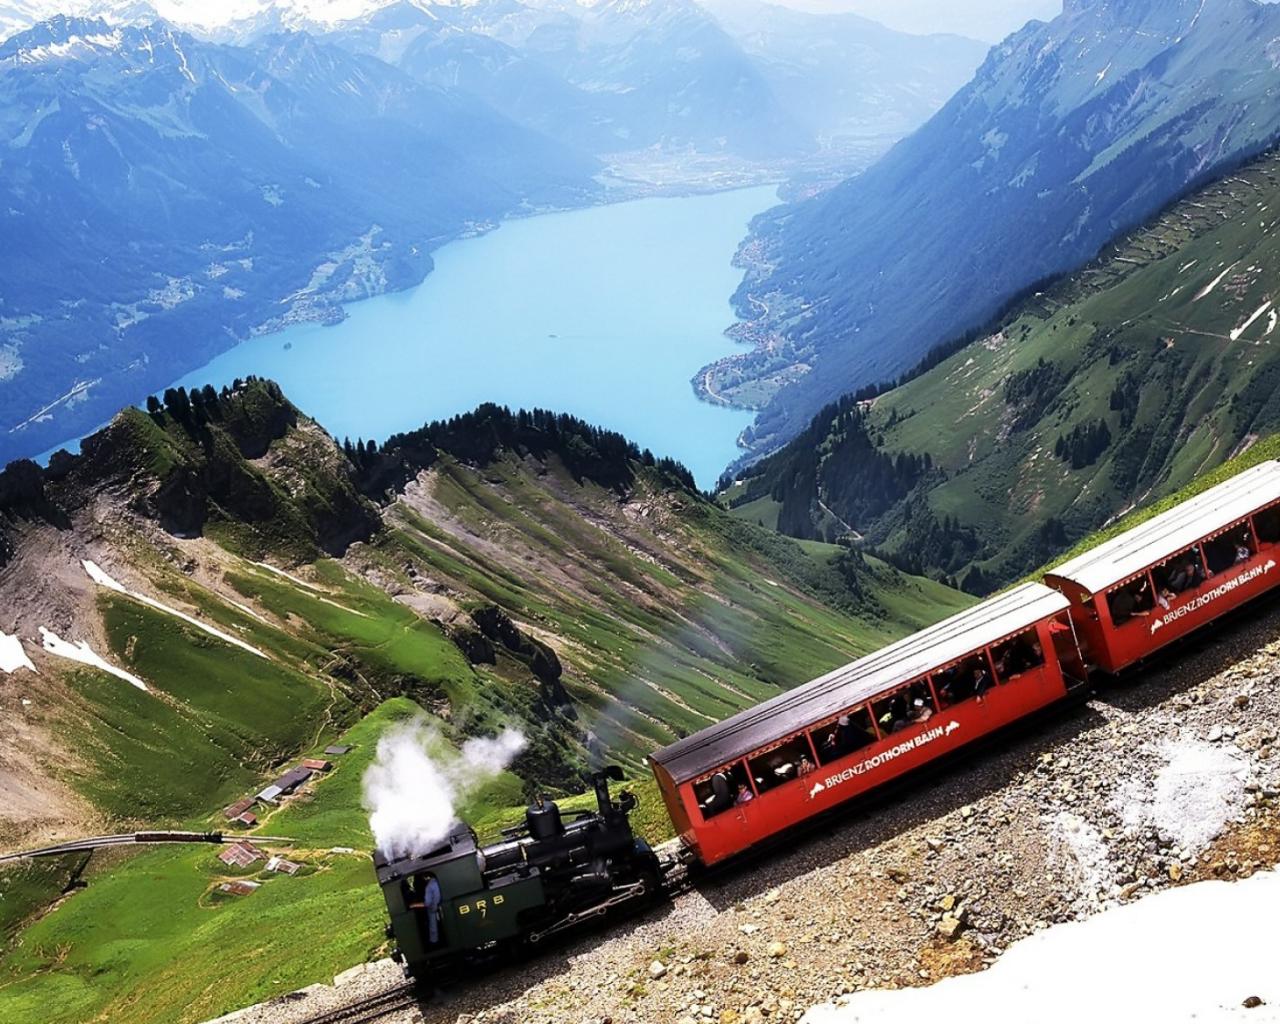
[(548, 874)]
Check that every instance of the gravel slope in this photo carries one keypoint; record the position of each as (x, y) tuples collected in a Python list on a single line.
[(1158, 781)]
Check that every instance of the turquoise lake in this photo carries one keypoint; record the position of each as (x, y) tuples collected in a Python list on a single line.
[(605, 313)]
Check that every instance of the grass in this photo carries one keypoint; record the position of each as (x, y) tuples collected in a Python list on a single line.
[(146, 942), (1181, 373), (1264, 450), (664, 624)]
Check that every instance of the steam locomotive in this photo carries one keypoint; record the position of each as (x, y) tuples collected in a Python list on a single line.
[(547, 875)]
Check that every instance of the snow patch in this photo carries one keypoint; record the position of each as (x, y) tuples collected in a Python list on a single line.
[(1088, 852), (1237, 332), (12, 655), (103, 580), (85, 655), (1193, 953), (1207, 289), (1199, 789)]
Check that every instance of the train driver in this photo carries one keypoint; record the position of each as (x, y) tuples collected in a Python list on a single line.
[(431, 900)]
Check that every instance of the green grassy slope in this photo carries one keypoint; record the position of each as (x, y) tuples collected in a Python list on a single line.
[(665, 613), (1169, 340)]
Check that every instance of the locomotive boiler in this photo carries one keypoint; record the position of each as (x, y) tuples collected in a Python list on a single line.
[(548, 874)]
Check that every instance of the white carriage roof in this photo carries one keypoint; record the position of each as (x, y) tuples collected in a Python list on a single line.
[(855, 684), (1176, 530)]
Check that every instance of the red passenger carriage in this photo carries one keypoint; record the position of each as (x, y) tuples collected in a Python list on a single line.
[(1176, 572), (755, 775)]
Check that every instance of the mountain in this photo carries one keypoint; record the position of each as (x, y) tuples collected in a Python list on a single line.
[(842, 75), (748, 80), (172, 196), (275, 591), (1114, 386), (1070, 132)]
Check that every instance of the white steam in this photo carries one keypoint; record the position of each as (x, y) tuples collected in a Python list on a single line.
[(412, 795)]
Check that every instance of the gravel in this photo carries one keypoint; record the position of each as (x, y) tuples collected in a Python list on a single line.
[(1158, 780)]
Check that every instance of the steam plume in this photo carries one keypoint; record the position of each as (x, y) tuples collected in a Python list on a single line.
[(412, 795)]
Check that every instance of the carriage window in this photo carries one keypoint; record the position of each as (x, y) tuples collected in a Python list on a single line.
[(1020, 654), (1132, 600), (781, 764), (721, 791), (852, 731), (969, 678), (1179, 574), (1228, 549), (1267, 524), (908, 706)]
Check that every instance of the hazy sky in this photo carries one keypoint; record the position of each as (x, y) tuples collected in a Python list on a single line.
[(990, 20)]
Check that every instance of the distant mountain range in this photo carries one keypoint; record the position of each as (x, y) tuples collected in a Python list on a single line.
[(173, 193), (1071, 132), (169, 196)]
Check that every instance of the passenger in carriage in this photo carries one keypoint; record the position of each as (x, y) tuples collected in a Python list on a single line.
[(745, 796), (806, 766), (895, 717), (1132, 600), (920, 711), (981, 682), (1244, 550)]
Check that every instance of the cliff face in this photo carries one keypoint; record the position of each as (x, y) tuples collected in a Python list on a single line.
[(244, 465)]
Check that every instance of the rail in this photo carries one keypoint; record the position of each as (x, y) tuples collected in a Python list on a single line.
[(137, 839), (372, 1008)]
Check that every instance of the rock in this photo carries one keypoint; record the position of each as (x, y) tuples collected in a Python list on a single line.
[(753, 1015), (947, 903), (1253, 1002), (748, 929), (1215, 734), (657, 969), (777, 950), (1175, 872), (950, 927), (741, 957)]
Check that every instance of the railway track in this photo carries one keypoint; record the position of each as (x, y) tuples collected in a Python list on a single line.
[(372, 1008)]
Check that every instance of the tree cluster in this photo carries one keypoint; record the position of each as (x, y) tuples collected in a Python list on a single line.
[(587, 451), (1084, 445)]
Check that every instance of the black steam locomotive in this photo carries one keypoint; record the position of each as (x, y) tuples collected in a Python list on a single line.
[(546, 876)]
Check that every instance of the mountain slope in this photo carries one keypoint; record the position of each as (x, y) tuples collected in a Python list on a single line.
[(562, 577), (509, 569), (1118, 384), (1070, 132), (165, 188)]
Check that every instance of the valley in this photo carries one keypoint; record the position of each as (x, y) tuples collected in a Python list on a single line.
[(265, 171), (1072, 131), (602, 313), (1111, 387)]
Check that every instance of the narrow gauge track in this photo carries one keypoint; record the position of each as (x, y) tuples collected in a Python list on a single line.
[(371, 1008)]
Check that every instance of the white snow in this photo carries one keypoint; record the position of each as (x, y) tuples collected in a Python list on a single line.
[(1189, 954), (288, 576), (12, 655), (1089, 858), (1237, 332), (1199, 789), (86, 655), (103, 580), (1213, 284), (311, 587)]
